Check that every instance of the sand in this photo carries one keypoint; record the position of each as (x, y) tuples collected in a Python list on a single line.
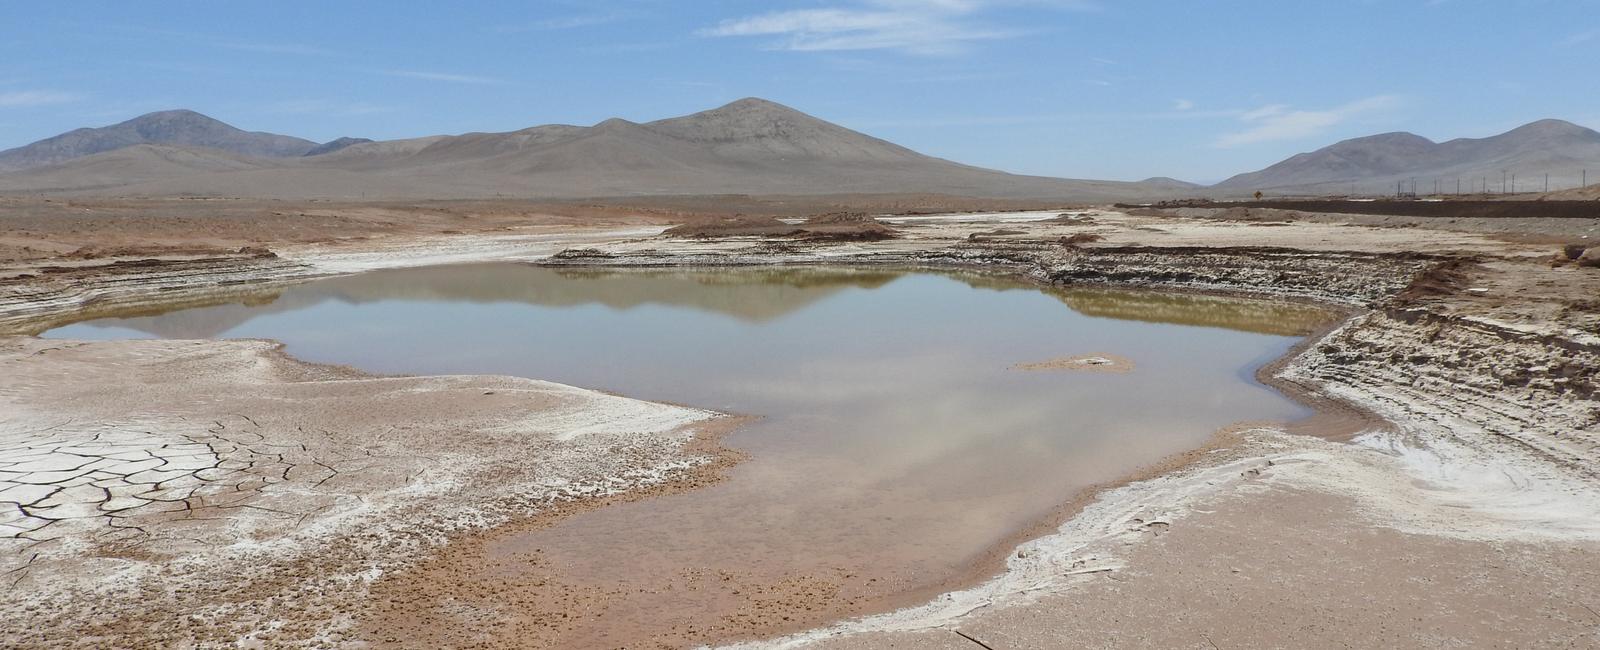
[(1468, 521)]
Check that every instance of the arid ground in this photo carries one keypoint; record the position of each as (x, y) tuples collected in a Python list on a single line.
[(209, 493)]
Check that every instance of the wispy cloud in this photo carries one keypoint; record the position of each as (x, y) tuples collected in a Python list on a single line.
[(1579, 38), (923, 27), (575, 21), (25, 98), (1182, 105), (1275, 122), (444, 76), (1053, 118), (298, 49)]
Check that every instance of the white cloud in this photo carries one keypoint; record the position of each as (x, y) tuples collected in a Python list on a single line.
[(24, 98), (1276, 122), (1182, 105), (443, 76), (926, 27), (1579, 38)]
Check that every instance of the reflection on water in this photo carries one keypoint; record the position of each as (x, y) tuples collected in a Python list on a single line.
[(1260, 316), (896, 445), (754, 295)]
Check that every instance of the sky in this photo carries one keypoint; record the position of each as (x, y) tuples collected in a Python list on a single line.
[(1197, 90)]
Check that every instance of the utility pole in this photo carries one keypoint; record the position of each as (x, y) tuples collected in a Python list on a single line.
[(1502, 181), (1458, 186), (1547, 182)]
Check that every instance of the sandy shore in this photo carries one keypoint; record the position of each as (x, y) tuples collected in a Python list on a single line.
[(1478, 504)]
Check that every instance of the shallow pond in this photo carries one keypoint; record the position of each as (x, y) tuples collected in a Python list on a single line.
[(896, 448)]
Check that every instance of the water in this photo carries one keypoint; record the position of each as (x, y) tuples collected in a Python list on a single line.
[(896, 447)]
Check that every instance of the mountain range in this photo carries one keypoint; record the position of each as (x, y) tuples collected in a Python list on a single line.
[(1382, 163), (751, 146), (180, 128)]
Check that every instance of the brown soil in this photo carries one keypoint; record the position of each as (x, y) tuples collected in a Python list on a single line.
[(1261, 570), (1081, 238), (35, 228), (1450, 209), (470, 596), (827, 228)]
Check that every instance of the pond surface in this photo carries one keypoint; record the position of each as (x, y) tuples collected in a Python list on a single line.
[(896, 447)]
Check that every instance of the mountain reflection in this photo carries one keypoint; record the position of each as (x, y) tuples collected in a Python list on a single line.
[(754, 295)]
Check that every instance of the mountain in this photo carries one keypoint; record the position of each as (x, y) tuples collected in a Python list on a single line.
[(751, 146), (1377, 163), (1169, 182), (335, 145), (179, 127)]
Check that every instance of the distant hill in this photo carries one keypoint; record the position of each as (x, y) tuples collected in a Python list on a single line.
[(1376, 163), (179, 127), (1165, 181), (751, 146), (135, 164), (335, 145)]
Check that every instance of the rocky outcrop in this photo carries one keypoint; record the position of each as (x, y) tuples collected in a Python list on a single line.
[(1467, 377), (1343, 278)]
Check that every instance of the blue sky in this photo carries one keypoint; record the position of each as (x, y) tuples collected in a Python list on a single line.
[(1082, 88)]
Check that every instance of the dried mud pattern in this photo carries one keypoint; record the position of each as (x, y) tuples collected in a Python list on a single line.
[(76, 478), (174, 501)]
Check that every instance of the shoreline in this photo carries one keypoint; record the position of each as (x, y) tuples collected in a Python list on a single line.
[(1280, 374)]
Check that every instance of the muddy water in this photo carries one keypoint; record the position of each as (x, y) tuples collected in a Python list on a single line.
[(896, 445)]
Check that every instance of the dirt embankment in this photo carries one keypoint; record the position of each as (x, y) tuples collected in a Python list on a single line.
[(836, 226), (1447, 209)]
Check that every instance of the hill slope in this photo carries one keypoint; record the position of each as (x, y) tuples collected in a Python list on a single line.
[(1376, 163), (179, 127), (139, 163), (750, 146)]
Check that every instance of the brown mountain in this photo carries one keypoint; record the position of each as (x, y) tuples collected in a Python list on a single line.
[(750, 146), (180, 127), (1377, 163)]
